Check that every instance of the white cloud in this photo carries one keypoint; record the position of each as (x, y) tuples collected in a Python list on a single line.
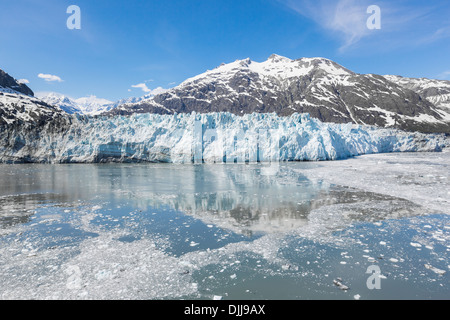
[(49, 77), (23, 81), (142, 86), (147, 90), (347, 19)]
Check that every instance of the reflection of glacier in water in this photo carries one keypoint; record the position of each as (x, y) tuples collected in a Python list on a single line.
[(246, 199), (152, 231), (256, 198)]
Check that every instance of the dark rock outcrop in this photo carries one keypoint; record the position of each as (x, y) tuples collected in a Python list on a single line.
[(6, 81)]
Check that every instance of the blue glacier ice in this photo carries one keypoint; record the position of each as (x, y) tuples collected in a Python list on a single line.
[(212, 138)]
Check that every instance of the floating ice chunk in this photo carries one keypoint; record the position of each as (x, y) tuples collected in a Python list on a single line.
[(416, 245), (193, 244), (378, 224), (217, 298), (435, 270), (340, 285)]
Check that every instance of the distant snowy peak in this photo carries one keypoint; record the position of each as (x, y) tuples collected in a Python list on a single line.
[(132, 100), (318, 86), (59, 100), (90, 105)]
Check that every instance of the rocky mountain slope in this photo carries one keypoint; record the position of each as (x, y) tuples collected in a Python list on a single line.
[(8, 83), (435, 91), (25, 119), (318, 86), (18, 105)]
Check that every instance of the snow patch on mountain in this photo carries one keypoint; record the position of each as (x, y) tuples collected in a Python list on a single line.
[(276, 66)]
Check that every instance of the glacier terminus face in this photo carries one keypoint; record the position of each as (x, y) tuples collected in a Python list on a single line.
[(208, 138)]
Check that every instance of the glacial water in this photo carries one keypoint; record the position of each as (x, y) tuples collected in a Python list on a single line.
[(303, 230)]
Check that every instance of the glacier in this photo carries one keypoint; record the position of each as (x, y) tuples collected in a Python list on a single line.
[(204, 138)]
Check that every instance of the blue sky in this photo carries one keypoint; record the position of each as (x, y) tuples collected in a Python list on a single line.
[(126, 47)]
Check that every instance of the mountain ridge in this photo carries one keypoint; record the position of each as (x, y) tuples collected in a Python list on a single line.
[(318, 86), (89, 105)]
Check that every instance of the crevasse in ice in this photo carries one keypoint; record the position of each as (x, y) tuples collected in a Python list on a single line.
[(217, 138)]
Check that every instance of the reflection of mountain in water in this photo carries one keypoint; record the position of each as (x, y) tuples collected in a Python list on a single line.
[(18, 209), (244, 198)]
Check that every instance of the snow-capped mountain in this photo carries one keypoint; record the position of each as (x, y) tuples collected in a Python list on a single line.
[(90, 105), (318, 86), (59, 100)]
